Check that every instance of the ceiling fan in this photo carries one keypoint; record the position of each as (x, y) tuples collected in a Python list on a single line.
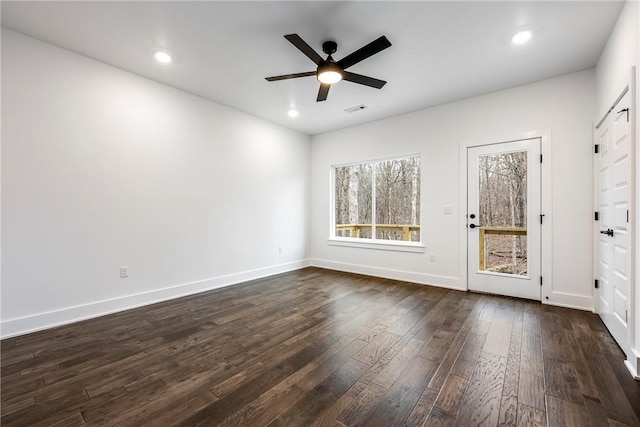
[(330, 71)]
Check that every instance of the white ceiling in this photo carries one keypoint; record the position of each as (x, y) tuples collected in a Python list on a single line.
[(442, 51)]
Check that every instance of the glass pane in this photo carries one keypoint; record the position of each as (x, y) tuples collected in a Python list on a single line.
[(505, 254), (503, 213), (398, 199), (353, 201)]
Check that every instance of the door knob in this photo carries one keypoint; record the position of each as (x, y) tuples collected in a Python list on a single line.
[(608, 232), (473, 226)]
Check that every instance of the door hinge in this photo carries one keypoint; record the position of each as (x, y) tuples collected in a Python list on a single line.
[(596, 216), (597, 148), (541, 216), (540, 158), (627, 111), (540, 280), (625, 316), (597, 285), (627, 215)]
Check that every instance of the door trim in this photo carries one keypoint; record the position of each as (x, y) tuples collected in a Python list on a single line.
[(547, 295)]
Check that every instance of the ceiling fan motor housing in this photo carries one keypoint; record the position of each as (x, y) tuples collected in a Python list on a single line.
[(329, 47)]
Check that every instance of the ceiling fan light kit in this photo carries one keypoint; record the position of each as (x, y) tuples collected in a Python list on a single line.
[(330, 71)]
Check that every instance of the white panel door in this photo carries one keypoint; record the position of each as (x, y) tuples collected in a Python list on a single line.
[(614, 203), (503, 218)]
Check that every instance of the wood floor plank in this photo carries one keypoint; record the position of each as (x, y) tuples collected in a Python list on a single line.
[(454, 349), (433, 319), (499, 335), (531, 390), (451, 394), (509, 401), (354, 414), (579, 362), (163, 411), (530, 417), (324, 348), (436, 348), (329, 415), (595, 411), (481, 404), (614, 423), (611, 394), (438, 417), (221, 409), (464, 364), (376, 348), (531, 360), (314, 401), (334, 363), (397, 365), (357, 388), (561, 413), (483, 325), (266, 408), (395, 406), (561, 381), (421, 410)]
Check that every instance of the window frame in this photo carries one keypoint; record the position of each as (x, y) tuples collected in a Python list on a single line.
[(372, 243)]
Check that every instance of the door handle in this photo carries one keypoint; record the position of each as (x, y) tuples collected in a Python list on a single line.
[(608, 232), (474, 225)]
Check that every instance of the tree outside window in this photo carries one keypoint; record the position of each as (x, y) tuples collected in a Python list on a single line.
[(378, 200)]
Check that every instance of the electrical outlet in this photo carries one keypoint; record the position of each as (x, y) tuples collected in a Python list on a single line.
[(448, 210), (432, 257), (280, 250), (124, 272)]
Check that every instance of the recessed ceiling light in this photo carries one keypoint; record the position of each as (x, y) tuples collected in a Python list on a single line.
[(521, 37), (293, 113), (162, 57)]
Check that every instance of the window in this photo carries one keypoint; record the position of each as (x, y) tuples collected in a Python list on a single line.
[(378, 201)]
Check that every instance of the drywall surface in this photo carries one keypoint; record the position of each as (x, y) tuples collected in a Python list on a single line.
[(620, 54), (564, 107), (102, 169)]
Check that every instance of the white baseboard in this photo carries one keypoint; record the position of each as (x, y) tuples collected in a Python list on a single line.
[(633, 364), (385, 273), (51, 319), (578, 302)]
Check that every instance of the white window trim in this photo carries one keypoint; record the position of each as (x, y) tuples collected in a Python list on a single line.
[(378, 244)]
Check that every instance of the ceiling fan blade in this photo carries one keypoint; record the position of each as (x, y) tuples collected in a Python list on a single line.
[(365, 52), (323, 92), (297, 41), (363, 80), (290, 76)]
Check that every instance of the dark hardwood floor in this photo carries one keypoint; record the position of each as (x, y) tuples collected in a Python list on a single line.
[(321, 348)]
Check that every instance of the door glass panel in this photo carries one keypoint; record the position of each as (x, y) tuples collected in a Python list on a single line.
[(503, 213)]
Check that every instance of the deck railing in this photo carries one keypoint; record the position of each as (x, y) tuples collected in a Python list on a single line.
[(495, 230), (354, 229)]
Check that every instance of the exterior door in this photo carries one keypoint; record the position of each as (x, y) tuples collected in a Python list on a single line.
[(503, 218), (614, 238)]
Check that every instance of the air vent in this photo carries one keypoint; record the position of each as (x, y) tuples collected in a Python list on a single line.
[(356, 108)]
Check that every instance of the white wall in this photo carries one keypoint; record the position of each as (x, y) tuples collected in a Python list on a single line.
[(102, 168), (612, 72), (619, 55), (565, 106)]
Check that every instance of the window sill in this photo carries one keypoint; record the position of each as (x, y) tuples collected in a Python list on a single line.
[(384, 245)]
